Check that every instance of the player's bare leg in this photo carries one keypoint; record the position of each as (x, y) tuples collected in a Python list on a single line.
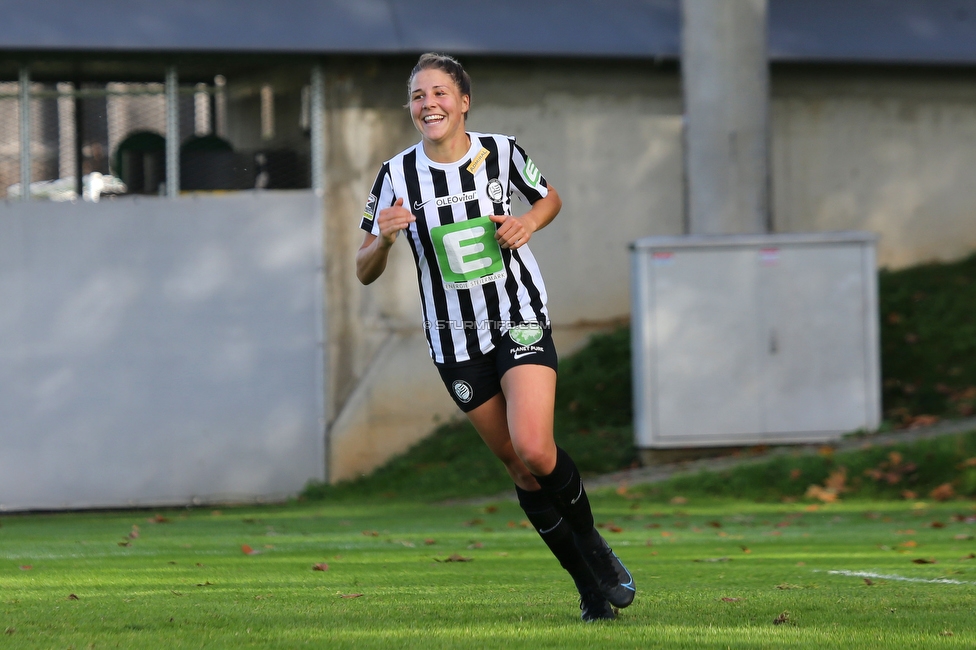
[(530, 391), (491, 420)]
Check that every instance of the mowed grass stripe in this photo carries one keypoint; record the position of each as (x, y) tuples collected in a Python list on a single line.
[(764, 560)]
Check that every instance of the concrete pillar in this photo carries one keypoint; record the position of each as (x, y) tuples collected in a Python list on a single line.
[(25, 134), (172, 133), (725, 79)]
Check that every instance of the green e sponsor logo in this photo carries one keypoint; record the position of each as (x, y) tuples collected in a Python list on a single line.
[(531, 172), (467, 253)]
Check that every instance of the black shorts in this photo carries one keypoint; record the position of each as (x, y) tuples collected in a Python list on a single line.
[(472, 383)]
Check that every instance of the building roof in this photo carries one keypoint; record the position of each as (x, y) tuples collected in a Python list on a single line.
[(869, 31)]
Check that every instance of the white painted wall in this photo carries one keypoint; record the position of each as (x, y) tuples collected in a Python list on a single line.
[(160, 351)]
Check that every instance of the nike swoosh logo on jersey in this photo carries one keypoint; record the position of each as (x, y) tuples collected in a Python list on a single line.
[(519, 355)]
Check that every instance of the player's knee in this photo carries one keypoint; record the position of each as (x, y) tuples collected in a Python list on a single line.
[(538, 457)]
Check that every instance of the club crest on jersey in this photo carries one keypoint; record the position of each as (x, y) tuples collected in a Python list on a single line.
[(495, 191), (463, 390)]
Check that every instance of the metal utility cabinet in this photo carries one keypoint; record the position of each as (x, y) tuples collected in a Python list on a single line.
[(753, 339)]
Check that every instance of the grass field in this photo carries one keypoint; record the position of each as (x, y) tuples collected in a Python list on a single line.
[(710, 573)]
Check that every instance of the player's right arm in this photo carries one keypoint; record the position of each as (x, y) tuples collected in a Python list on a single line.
[(375, 250)]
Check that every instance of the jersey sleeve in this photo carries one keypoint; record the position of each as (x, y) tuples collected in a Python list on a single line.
[(526, 179), (380, 196)]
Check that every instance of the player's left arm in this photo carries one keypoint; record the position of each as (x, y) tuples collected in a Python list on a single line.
[(514, 232)]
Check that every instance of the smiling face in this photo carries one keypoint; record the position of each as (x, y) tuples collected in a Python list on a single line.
[(437, 108)]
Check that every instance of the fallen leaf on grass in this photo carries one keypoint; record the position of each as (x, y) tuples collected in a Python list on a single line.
[(134, 533), (430, 542), (782, 618), (962, 536), (320, 566), (785, 586), (715, 559), (491, 509), (125, 543), (971, 556), (474, 522), (746, 549), (26, 567), (205, 584), (922, 560), (475, 545), (943, 493), (868, 581), (911, 543), (946, 633), (158, 519), (455, 557), (679, 501), (72, 597), (10, 630), (371, 533), (726, 599), (614, 528), (937, 524), (350, 595), (247, 550)]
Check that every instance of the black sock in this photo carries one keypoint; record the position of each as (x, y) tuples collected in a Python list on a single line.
[(558, 536), (564, 487)]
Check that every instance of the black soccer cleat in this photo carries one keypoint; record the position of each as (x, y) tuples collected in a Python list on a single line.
[(615, 580), (594, 607)]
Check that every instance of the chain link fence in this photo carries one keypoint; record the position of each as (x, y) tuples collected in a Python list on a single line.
[(101, 141)]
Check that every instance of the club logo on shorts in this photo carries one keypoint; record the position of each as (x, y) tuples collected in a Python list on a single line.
[(463, 390), (495, 191), (526, 334)]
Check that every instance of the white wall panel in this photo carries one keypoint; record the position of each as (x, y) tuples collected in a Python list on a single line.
[(160, 352)]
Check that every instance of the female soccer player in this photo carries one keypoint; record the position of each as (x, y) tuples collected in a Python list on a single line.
[(484, 306)]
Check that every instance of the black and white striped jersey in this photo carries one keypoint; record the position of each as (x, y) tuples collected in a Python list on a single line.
[(472, 290)]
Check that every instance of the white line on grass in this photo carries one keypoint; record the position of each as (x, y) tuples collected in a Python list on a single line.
[(892, 576)]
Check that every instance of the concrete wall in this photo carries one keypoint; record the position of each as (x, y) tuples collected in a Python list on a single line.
[(892, 152), (160, 351)]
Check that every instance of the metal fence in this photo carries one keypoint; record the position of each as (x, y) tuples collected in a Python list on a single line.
[(100, 140)]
